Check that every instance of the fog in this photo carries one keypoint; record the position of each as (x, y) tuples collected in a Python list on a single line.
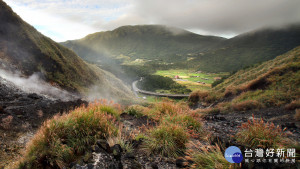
[(35, 84)]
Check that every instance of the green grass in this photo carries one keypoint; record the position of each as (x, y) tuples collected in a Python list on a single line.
[(62, 139), (167, 140), (190, 78)]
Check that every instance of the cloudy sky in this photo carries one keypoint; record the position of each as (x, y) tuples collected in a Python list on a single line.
[(72, 19)]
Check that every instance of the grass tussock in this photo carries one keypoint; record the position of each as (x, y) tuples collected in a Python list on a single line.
[(208, 111), (136, 110), (175, 124), (203, 96), (167, 140), (176, 113), (257, 133), (246, 105), (197, 96), (207, 156), (63, 138)]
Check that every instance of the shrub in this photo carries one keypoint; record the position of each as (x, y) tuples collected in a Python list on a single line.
[(245, 105), (61, 139), (260, 134), (167, 140)]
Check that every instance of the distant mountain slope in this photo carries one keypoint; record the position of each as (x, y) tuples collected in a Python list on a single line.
[(142, 42), (249, 48), (273, 83), (173, 45), (23, 48)]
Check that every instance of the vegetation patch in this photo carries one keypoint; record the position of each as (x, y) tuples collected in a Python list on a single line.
[(257, 133), (246, 105), (164, 84), (63, 138), (167, 140), (191, 79), (271, 84), (207, 156)]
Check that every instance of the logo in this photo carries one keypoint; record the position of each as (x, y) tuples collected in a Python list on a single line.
[(233, 154)]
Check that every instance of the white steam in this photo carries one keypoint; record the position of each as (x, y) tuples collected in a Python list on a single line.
[(34, 84)]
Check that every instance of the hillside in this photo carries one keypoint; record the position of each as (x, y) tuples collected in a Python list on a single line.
[(147, 42), (248, 48), (23, 49), (271, 84)]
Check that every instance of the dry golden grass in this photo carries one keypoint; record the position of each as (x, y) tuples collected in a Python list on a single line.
[(246, 105), (257, 133), (198, 95)]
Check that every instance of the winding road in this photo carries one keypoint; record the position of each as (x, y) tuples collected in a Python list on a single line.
[(137, 90)]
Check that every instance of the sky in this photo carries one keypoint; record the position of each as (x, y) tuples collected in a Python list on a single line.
[(64, 20)]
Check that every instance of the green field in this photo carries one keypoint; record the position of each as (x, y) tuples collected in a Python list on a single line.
[(191, 79)]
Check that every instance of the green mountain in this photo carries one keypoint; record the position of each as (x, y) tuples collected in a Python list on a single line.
[(148, 42), (248, 48), (24, 49), (174, 47)]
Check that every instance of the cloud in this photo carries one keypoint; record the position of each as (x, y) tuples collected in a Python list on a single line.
[(73, 19)]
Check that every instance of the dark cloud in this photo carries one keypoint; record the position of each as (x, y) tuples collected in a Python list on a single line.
[(216, 16)]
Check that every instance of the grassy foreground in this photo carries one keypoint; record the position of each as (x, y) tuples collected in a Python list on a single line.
[(64, 138), (178, 132)]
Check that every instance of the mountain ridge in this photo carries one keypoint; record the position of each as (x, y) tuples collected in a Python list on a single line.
[(216, 55), (141, 41)]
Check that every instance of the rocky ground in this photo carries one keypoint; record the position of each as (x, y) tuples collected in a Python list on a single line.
[(225, 125), (21, 114)]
